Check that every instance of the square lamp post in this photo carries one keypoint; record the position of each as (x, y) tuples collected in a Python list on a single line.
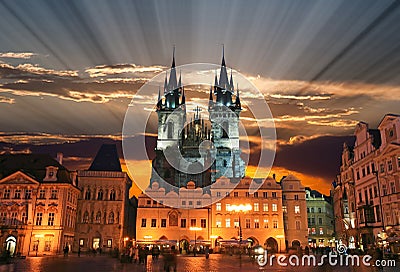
[(195, 229)]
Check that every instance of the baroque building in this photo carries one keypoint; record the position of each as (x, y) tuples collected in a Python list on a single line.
[(320, 219), (366, 193), (106, 216), (38, 204)]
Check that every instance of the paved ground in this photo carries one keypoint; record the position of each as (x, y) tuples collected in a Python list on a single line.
[(185, 263)]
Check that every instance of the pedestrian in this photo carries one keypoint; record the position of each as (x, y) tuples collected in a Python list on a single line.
[(79, 251), (207, 252), (66, 249)]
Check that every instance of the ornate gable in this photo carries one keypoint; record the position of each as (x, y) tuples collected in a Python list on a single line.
[(19, 177)]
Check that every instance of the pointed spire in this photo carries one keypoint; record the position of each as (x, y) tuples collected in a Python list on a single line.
[(223, 55), (180, 79), (183, 96), (165, 82), (159, 101), (237, 102), (173, 57), (231, 82)]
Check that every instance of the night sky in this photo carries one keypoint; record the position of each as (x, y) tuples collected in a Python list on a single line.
[(68, 70)]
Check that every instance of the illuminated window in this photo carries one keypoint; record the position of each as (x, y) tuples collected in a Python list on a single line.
[(297, 225), (296, 209), (321, 231), (81, 242), (265, 223), (228, 223), (274, 207), (39, 217), (256, 223), (17, 193), (275, 224), (218, 206), (265, 207), (247, 223), (227, 207), (54, 194), (50, 221), (218, 223), (256, 207), (47, 245), (109, 243), (313, 231), (236, 222), (284, 209), (98, 217)]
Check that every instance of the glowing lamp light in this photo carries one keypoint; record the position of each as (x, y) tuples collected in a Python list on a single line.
[(39, 235), (214, 236), (126, 239), (195, 228), (148, 237), (240, 208)]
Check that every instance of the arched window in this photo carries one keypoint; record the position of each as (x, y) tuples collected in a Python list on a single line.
[(170, 130), (98, 217), (100, 195), (112, 195), (225, 129), (111, 218), (85, 217), (87, 195)]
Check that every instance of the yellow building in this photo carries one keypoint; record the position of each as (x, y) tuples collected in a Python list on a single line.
[(224, 224), (38, 202)]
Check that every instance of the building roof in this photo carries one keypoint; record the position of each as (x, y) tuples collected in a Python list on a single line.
[(376, 140), (107, 159), (33, 165)]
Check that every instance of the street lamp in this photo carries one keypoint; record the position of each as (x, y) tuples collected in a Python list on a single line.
[(195, 238), (240, 209)]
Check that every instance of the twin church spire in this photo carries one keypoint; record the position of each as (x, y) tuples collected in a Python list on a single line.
[(174, 92)]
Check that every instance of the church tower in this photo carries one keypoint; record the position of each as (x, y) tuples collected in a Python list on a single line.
[(224, 117), (171, 110)]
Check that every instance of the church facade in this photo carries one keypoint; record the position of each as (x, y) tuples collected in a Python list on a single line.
[(198, 176)]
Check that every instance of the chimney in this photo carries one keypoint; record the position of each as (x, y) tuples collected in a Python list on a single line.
[(60, 157)]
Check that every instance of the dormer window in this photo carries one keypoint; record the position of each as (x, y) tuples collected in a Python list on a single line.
[(51, 173)]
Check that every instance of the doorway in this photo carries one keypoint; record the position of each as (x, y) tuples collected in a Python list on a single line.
[(11, 243), (96, 243)]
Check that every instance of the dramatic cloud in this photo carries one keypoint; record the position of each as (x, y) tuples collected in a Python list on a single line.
[(15, 55)]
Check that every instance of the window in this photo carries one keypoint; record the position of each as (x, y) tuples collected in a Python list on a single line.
[(274, 207), (198, 203), (42, 194), (98, 217), (296, 209), (190, 203), (236, 222), (112, 195), (382, 168), (28, 194), (375, 192), (3, 217), (390, 165), (143, 222), (54, 193), (274, 194), (363, 172), (255, 194), (218, 223), (24, 218), (39, 217), (247, 194), (81, 242), (296, 197), (284, 209), (183, 222), (378, 214), (183, 203), (392, 188), (227, 194), (275, 224), (153, 223), (297, 225), (256, 207), (368, 170), (265, 223), (85, 217), (7, 193), (193, 222), (228, 223), (100, 195), (319, 220), (203, 223), (50, 222), (319, 210), (87, 195), (235, 194), (109, 243), (384, 189), (265, 194), (227, 207), (265, 207), (312, 209), (321, 231), (163, 223), (313, 231), (17, 194), (218, 194), (47, 245), (111, 219), (247, 223), (358, 174), (170, 130), (218, 207), (256, 223), (370, 193), (14, 216)]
